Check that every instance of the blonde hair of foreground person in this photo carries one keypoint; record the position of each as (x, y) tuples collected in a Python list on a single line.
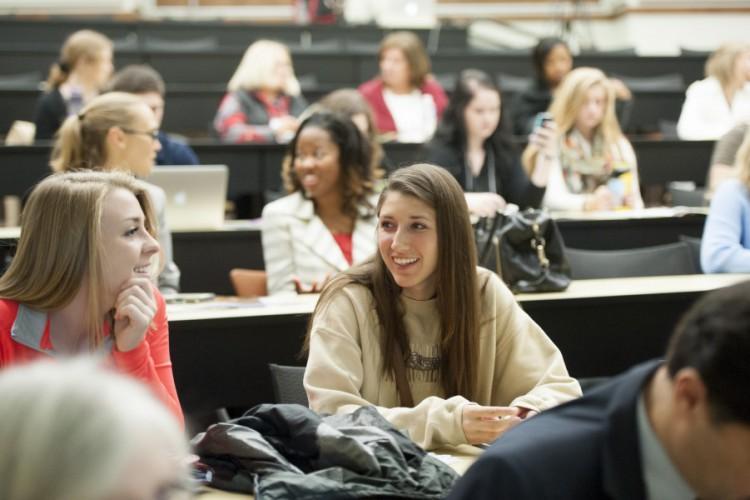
[(72, 430), (567, 102), (60, 245)]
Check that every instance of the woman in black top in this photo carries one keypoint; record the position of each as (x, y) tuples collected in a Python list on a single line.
[(84, 67), (472, 144), (552, 60)]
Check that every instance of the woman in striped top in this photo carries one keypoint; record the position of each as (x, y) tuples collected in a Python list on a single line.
[(327, 222)]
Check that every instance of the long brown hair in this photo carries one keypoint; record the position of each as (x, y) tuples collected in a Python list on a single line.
[(457, 285), (60, 243)]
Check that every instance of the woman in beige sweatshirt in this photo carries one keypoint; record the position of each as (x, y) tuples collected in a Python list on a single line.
[(473, 364)]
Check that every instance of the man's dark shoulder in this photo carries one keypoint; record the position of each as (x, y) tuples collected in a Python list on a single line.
[(555, 455)]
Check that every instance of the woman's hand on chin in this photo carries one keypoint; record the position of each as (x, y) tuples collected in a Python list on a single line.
[(135, 309)]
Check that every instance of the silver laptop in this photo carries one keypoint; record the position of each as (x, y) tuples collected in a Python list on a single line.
[(196, 194)]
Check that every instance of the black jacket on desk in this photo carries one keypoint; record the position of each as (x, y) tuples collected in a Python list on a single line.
[(581, 450), (49, 114), (508, 176), (288, 451)]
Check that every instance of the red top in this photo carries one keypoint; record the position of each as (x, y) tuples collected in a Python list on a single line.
[(344, 241), (372, 91), (149, 361)]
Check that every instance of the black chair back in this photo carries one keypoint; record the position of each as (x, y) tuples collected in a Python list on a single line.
[(287, 384), (660, 260)]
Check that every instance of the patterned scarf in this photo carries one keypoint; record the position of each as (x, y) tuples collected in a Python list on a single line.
[(586, 166)]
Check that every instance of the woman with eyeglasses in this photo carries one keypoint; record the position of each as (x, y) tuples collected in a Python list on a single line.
[(118, 131)]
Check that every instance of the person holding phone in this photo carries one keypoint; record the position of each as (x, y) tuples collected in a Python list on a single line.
[(472, 143), (81, 280), (327, 222), (595, 166), (438, 345)]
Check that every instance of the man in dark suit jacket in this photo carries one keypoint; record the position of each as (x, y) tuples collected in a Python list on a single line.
[(678, 429)]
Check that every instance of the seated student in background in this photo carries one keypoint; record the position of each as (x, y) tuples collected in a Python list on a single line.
[(350, 103), (595, 166), (84, 67), (552, 61), (81, 279), (721, 100), (405, 98), (117, 131), (263, 99), (724, 157), (725, 246), (147, 84), (327, 223), (420, 315), (74, 430), (674, 429), (472, 144)]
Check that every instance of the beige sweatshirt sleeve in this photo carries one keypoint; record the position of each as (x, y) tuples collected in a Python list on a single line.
[(336, 373), (529, 368)]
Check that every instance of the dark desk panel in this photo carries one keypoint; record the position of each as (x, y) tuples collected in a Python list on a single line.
[(190, 108), (51, 33), (629, 233), (205, 258), (243, 248), (661, 162), (255, 169), (21, 167), (347, 66)]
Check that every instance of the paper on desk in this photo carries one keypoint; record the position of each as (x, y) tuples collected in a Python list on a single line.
[(445, 458)]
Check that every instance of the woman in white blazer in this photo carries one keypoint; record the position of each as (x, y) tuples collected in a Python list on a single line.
[(328, 221)]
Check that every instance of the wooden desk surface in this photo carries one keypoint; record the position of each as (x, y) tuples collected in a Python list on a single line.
[(459, 457), (287, 305)]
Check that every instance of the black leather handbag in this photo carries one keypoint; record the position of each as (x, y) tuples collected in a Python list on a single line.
[(525, 249)]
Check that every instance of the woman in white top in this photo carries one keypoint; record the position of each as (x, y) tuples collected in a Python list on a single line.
[(327, 222), (406, 100), (595, 166), (721, 100)]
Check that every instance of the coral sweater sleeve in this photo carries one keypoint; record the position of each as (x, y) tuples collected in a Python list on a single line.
[(150, 360)]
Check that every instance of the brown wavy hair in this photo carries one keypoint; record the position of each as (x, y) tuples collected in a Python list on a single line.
[(358, 175), (458, 289)]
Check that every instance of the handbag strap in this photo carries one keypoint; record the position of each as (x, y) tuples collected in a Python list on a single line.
[(402, 384)]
